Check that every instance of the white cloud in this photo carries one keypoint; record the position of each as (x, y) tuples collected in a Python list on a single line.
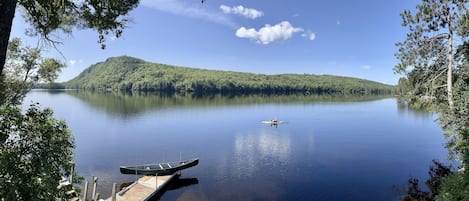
[(242, 11), (184, 8), (338, 22), (267, 34), (309, 35)]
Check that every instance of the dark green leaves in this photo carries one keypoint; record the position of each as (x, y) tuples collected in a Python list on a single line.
[(49, 69), (35, 154), (25, 67), (47, 16), (104, 16), (427, 53)]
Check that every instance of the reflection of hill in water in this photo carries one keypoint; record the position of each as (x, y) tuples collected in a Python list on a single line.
[(128, 104)]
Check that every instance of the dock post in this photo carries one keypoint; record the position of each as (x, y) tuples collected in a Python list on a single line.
[(136, 176), (96, 198), (71, 173), (85, 191), (95, 184), (156, 180), (113, 198)]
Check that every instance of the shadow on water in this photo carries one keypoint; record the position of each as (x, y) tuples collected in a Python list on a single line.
[(414, 190), (183, 182), (127, 104), (177, 184)]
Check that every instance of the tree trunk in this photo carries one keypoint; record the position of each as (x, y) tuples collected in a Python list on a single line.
[(7, 12), (450, 71), (449, 80)]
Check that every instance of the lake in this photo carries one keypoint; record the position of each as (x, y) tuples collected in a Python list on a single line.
[(328, 148)]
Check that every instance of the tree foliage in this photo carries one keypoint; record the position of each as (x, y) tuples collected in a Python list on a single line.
[(131, 74), (35, 148), (35, 153), (427, 54), (46, 17), (104, 16), (425, 57), (454, 187), (24, 68), (456, 121)]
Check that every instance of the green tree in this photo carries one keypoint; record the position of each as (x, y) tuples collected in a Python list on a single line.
[(45, 17), (428, 48), (49, 69), (35, 148), (35, 153), (404, 86), (454, 188), (456, 122), (425, 56), (24, 68)]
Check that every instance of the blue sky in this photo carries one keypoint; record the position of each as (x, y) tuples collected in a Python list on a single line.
[(337, 37)]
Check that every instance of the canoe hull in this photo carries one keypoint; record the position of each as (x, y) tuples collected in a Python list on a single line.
[(159, 168)]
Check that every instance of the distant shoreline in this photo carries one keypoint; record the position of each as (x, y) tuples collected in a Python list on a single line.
[(132, 74)]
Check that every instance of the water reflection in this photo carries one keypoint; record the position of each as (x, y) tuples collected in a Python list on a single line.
[(191, 195), (177, 184), (255, 150), (405, 109), (331, 149), (128, 104), (183, 182)]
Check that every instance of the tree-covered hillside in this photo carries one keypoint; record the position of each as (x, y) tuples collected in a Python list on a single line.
[(128, 73)]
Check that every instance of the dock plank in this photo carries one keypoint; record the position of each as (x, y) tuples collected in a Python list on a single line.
[(137, 192), (144, 188)]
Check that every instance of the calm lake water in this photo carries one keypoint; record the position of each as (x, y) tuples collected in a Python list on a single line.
[(329, 148)]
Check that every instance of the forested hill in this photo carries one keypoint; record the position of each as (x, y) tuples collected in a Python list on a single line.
[(128, 73)]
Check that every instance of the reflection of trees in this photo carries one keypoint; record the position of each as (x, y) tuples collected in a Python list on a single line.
[(438, 172), (128, 103), (405, 108)]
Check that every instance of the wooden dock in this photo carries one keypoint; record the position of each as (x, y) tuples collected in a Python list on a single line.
[(144, 188)]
